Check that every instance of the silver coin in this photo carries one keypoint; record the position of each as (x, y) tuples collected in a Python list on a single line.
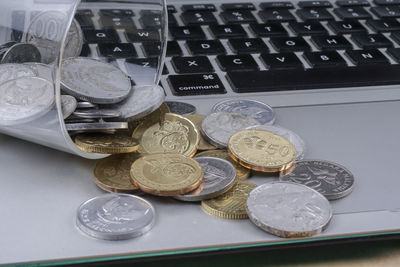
[(73, 119), (219, 177), (220, 126), (13, 71), (42, 70), (259, 111), (96, 127), (68, 105), (181, 108), (97, 113), (288, 210), (20, 53), (94, 81), (293, 138), (142, 101), (85, 104), (25, 99), (74, 40), (330, 179), (115, 216)]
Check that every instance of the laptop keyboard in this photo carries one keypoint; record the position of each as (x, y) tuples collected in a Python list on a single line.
[(258, 47)]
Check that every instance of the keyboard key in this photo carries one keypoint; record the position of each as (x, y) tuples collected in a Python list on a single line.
[(237, 16), (314, 4), (395, 53), (309, 14), (85, 22), (370, 41), (228, 31), (171, 9), (198, 7), (173, 49), (275, 5), (142, 35), (117, 12), (281, 61), (85, 51), (396, 36), (268, 30), (238, 6), (101, 36), (190, 32), (85, 12), (205, 47), (116, 22), (151, 21), (367, 57), (387, 2), (200, 64), (248, 45), (386, 25), (198, 18), (324, 59), (172, 22), (196, 84), (349, 3), (386, 11), (141, 70), (331, 42), (117, 50), (289, 44), (237, 63), (346, 27), (319, 78), (151, 49), (347, 13), (312, 28), (276, 15)]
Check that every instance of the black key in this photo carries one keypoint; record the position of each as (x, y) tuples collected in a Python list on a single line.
[(276, 15), (248, 45), (396, 36), (141, 70), (228, 31), (116, 22), (142, 35), (289, 44), (198, 7), (281, 61), (237, 16), (395, 53), (85, 12), (117, 50), (151, 49), (370, 41), (151, 21), (385, 25), (85, 22), (198, 18), (85, 51), (117, 12), (173, 49), (261, 81), (237, 63), (312, 28), (238, 6), (205, 47), (275, 5), (309, 14), (17, 25), (314, 4), (348, 3), (331, 42), (367, 57), (268, 30), (346, 13), (172, 22), (101, 36), (346, 27), (196, 84), (387, 2), (190, 32), (200, 64), (324, 59), (386, 11), (171, 9)]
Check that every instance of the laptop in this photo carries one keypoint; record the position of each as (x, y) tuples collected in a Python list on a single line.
[(331, 71)]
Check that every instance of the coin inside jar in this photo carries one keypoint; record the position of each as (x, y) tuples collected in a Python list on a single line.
[(106, 143), (92, 127), (96, 113)]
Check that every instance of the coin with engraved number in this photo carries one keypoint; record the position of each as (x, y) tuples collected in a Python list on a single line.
[(20, 53), (259, 111), (197, 120), (97, 113), (115, 216), (330, 179), (13, 71), (84, 104), (74, 40), (181, 108), (25, 99), (262, 150), (220, 126), (232, 204), (106, 143), (94, 81), (293, 138), (96, 127), (166, 174), (68, 105), (288, 210), (219, 177)]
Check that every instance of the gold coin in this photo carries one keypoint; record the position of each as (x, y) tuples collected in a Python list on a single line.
[(166, 174), (262, 150), (172, 134), (106, 143), (242, 173), (112, 174), (158, 113), (232, 204), (197, 119)]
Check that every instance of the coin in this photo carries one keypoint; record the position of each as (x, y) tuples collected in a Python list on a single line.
[(74, 41), (73, 119), (112, 174), (106, 143), (156, 115), (13, 71), (288, 210), (115, 216), (25, 99), (330, 179), (259, 111), (262, 150), (84, 104), (293, 138), (94, 81), (97, 127), (220, 126), (97, 113), (242, 173), (68, 105), (181, 108), (166, 174), (232, 204), (20, 53), (197, 119), (173, 133), (219, 177), (42, 70)]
